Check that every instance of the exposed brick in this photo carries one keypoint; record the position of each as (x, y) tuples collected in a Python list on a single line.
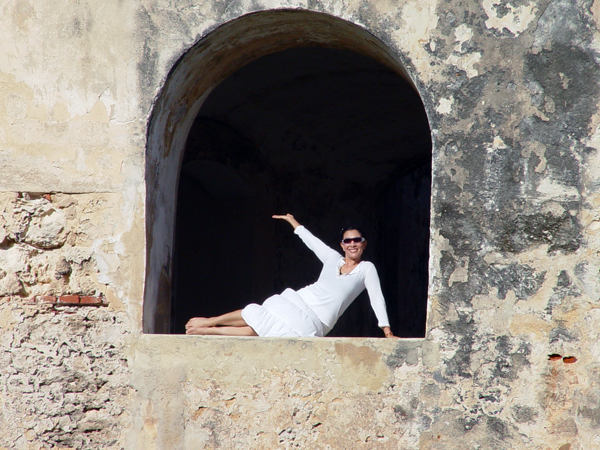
[(49, 298), (69, 299), (90, 300)]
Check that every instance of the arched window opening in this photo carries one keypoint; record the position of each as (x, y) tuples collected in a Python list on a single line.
[(331, 133)]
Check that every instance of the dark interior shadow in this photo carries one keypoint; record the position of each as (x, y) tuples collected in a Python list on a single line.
[(332, 137)]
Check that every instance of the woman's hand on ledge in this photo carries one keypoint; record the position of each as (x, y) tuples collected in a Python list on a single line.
[(388, 332)]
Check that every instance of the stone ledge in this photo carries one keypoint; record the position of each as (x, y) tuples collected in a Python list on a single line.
[(361, 364)]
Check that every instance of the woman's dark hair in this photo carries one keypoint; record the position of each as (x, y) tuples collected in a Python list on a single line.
[(352, 227)]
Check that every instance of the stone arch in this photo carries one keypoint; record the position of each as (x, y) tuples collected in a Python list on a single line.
[(196, 76)]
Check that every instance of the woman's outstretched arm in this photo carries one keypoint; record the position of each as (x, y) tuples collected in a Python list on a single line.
[(288, 218), (315, 244)]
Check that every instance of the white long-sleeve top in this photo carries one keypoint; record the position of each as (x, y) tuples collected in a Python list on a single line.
[(334, 292)]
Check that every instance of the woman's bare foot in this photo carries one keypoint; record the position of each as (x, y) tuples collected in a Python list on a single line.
[(209, 325), (201, 322), (198, 330)]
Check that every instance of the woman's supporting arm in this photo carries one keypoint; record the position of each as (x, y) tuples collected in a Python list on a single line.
[(387, 331), (377, 301)]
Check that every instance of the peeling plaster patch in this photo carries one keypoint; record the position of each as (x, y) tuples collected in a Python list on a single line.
[(592, 162), (595, 10), (107, 265), (466, 63), (553, 208), (594, 140), (516, 20), (461, 273), (358, 355), (538, 149), (97, 113), (529, 324), (441, 244), (132, 171), (445, 106), (463, 33), (550, 189), (497, 143), (595, 44), (419, 21), (460, 58), (367, 368)]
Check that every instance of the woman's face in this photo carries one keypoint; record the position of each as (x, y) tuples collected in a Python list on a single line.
[(353, 250)]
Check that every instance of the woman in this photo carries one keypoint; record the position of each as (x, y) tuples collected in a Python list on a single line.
[(313, 310)]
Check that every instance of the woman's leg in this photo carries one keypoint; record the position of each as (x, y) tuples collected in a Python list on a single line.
[(223, 331), (232, 320)]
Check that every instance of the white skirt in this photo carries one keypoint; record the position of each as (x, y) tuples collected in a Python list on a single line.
[(283, 315)]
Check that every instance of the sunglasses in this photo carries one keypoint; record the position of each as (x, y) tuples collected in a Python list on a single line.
[(356, 240)]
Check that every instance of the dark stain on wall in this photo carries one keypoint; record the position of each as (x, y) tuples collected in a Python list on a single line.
[(405, 352), (524, 414), (148, 62), (561, 233), (509, 363), (564, 288), (591, 414), (497, 427), (521, 279), (464, 330), (564, 74)]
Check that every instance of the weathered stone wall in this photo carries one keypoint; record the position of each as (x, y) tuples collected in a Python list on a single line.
[(60, 244), (64, 381), (511, 90)]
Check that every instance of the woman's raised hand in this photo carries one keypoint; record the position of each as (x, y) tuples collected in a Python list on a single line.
[(288, 218)]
